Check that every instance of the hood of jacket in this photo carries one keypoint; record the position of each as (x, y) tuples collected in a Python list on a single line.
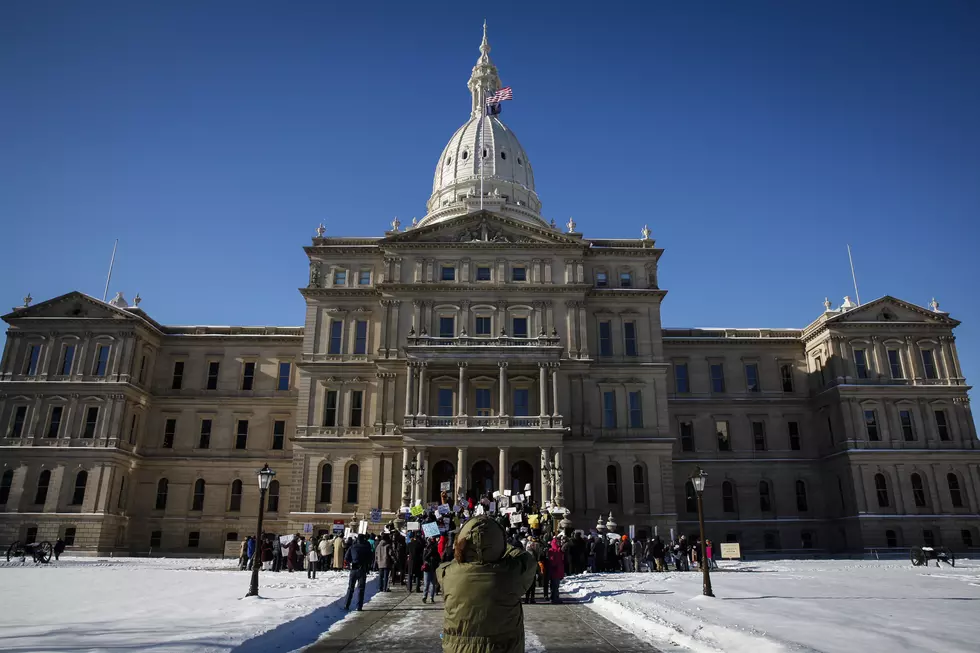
[(481, 540)]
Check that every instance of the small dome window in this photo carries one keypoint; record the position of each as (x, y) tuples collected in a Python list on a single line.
[(465, 154), (519, 162), (449, 160), (503, 155), (484, 153)]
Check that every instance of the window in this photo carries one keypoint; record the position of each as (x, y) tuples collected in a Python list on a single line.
[(213, 367), (91, 420), (625, 280), (285, 371), (731, 537), (681, 380), (601, 280), (687, 436), (340, 277), (198, 503), (794, 435), (273, 497), (163, 485), (360, 337), (134, 423), (770, 540), (801, 503), (721, 431), (929, 364), (178, 378), (445, 402), (54, 425), (871, 425), (629, 338), (357, 408), (142, 375), (78, 495), (728, 496), (235, 504), (861, 363), (918, 492), (241, 434), (155, 538), (520, 327), (447, 327), (967, 536), (353, 474), (905, 416), (121, 499), (483, 273), (881, 489), (806, 540), (102, 360), (336, 334), (612, 484), (330, 409), (5, 482), (448, 273), (717, 377), (941, 425), (17, 427), (636, 410), (522, 400), (759, 435), (690, 498), (31, 536), (891, 539), (639, 485), (609, 409), (43, 480), (364, 278), (786, 377), (326, 483), (67, 357), (765, 499), (895, 364), (278, 434), (955, 496), (605, 338), (752, 377), (483, 325), (518, 274), (69, 536), (928, 538), (193, 539), (30, 369), (248, 375), (483, 402), (205, 441)]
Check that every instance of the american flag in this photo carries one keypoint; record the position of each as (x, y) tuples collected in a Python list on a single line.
[(506, 93)]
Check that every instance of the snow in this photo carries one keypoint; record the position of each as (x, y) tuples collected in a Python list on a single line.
[(182, 605), (781, 606)]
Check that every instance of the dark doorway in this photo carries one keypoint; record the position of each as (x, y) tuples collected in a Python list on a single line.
[(442, 472), (482, 478), (521, 473)]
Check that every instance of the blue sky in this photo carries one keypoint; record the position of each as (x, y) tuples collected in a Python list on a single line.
[(755, 138)]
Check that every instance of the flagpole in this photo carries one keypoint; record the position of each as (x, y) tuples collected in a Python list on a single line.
[(105, 293)]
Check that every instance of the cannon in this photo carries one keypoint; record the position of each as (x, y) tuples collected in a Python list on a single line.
[(921, 555), (39, 551)]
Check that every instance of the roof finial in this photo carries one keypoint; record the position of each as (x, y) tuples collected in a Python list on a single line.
[(137, 299), (826, 303), (29, 299), (934, 305), (395, 224), (570, 225), (646, 232), (320, 231), (485, 45)]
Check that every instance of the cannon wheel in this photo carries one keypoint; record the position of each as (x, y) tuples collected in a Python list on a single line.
[(14, 550), (950, 558), (917, 556), (43, 551)]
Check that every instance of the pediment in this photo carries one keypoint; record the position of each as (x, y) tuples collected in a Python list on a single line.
[(481, 229), (73, 305), (890, 309)]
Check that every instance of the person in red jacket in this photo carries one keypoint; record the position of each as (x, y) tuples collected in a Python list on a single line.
[(556, 568)]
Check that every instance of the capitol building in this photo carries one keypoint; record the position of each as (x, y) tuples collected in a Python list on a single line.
[(487, 348)]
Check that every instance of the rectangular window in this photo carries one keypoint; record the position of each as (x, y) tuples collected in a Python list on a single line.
[(483, 273), (20, 416), (213, 367), (193, 539), (54, 426), (752, 377), (908, 432), (786, 377), (30, 368), (66, 359), (285, 371), (482, 326), (364, 278), (871, 425), (629, 338), (794, 435), (360, 336), (69, 537), (609, 409), (445, 402), (155, 538), (278, 434), (522, 402), (520, 327), (518, 274), (336, 333), (134, 423), (929, 364), (178, 378), (169, 433), (241, 434), (340, 277), (625, 280), (681, 381), (447, 327), (636, 410), (248, 375), (721, 431), (142, 375), (356, 407), (448, 273), (717, 377), (91, 420), (102, 360), (941, 425), (895, 364), (928, 538), (687, 436), (205, 441), (759, 435), (605, 338), (861, 363), (601, 280), (330, 408), (483, 402)]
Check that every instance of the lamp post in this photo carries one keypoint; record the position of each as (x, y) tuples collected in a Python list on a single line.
[(265, 478), (698, 480)]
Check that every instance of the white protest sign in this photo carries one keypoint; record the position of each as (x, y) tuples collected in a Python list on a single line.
[(527, 488), (496, 493), (510, 511), (493, 506), (516, 519), (362, 528), (431, 529), (478, 510), (445, 486), (413, 526), (520, 498), (507, 493)]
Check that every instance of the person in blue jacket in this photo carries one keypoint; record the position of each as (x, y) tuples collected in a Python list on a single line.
[(360, 557)]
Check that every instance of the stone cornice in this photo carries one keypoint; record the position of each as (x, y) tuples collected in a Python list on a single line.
[(425, 288), (314, 293), (597, 293)]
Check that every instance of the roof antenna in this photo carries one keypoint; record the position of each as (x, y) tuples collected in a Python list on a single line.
[(105, 293), (854, 278)]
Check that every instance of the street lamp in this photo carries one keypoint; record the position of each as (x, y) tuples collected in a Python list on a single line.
[(698, 480), (265, 478)]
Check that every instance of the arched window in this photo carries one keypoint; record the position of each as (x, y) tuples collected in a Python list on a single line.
[(954, 490), (891, 539), (162, 486), (353, 475), (482, 478), (806, 540), (326, 483), (639, 485), (728, 496), (42, 487), (918, 492), (521, 475), (274, 496), (612, 484), (690, 497), (198, 495), (881, 489), (442, 472), (801, 503), (5, 482), (765, 499), (235, 504), (78, 496)]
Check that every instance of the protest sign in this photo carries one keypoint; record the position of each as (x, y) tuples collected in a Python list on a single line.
[(338, 527), (507, 493), (362, 528), (375, 515), (307, 528), (417, 510), (493, 506), (445, 486), (516, 519), (413, 526), (532, 521), (444, 509), (527, 488), (496, 493), (478, 510), (431, 529)]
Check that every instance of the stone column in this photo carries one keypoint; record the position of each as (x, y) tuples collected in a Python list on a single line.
[(461, 395), (583, 331), (947, 372), (543, 389), (915, 359), (502, 471), (406, 491), (545, 485), (554, 389), (503, 389), (409, 377), (423, 395), (462, 475), (880, 361), (559, 482)]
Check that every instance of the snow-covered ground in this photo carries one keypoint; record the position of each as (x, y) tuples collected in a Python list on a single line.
[(130, 604), (772, 607)]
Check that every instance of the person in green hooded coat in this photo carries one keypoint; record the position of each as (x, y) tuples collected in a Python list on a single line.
[(483, 588)]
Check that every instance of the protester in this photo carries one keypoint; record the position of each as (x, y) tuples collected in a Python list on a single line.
[(384, 559), (312, 557), (430, 562), (59, 548), (338, 553), (556, 568), (359, 557), (534, 548), (414, 553), (265, 552), (324, 550), (291, 551), (251, 552)]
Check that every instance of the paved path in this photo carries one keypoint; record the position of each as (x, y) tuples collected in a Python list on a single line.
[(398, 621)]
